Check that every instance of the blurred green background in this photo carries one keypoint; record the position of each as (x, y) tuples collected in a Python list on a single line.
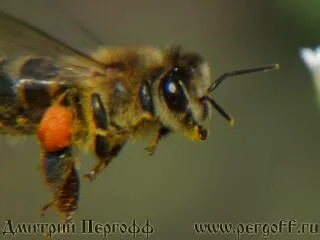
[(264, 169)]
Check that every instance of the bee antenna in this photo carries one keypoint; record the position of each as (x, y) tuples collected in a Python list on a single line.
[(219, 109), (220, 79)]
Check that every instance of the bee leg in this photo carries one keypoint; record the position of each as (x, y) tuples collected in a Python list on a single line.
[(45, 208), (102, 153), (102, 146), (62, 178), (54, 134), (104, 156), (67, 197), (162, 132), (54, 131)]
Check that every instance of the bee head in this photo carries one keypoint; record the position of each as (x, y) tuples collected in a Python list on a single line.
[(183, 93), (180, 94)]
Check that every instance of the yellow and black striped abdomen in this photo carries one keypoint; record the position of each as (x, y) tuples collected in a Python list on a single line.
[(26, 94)]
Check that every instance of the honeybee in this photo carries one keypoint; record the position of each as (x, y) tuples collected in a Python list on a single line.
[(98, 102)]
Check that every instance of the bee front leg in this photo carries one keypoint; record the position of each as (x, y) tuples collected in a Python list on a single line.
[(162, 132)]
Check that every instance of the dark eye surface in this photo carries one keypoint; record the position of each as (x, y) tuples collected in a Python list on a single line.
[(174, 94)]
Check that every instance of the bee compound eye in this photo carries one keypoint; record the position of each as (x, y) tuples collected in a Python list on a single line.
[(174, 94)]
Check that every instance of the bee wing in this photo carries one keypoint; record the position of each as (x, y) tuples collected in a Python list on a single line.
[(18, 38)]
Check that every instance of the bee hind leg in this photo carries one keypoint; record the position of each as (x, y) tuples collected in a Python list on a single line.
[(54, 134), (45, 208)]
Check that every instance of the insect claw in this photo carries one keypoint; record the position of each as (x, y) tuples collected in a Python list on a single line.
[(90, 176), (68, 219), (94, 172), (151, 149), (45, 208)]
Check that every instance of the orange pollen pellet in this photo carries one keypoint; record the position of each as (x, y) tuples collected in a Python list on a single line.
[(54, 130)]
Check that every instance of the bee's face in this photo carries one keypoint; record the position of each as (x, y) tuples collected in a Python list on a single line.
[(180, 93)]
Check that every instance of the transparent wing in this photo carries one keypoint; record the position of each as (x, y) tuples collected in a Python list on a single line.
[(18, 38)]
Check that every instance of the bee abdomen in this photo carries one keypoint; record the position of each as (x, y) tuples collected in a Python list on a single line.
[(38, 83), (8, 99), (7, 93), (27, 95), (37, 93)]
